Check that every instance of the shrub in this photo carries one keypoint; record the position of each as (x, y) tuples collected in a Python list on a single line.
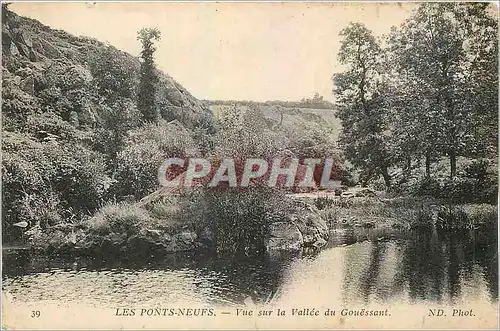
[(115, 74), (47, 181), (146, 148), (475, 182), (115, 123), (121, 218), (240, 219)]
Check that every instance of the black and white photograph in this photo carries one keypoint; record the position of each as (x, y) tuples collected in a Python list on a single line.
[(249, 165)]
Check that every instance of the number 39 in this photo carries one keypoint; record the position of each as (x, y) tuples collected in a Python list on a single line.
[(35, 313)]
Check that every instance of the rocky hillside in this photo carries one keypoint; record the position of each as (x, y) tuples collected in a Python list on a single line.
[(41, 62), (72, 136)]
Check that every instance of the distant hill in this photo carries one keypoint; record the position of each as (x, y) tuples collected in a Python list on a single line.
[(295, 119), (317, 102)]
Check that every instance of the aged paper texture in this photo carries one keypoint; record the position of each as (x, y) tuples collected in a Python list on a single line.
[(257, 165)]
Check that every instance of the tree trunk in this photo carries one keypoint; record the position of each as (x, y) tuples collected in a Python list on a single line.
[(387, 177), (427, 165), (453, 163)]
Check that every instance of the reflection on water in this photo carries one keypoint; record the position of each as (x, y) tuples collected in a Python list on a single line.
[(358, 266)]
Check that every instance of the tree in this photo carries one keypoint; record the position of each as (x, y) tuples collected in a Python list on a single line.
[(148, 77), (415, 115), (447, 52), (361, 97)]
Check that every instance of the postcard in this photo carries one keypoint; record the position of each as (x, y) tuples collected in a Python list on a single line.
[(249, 165)]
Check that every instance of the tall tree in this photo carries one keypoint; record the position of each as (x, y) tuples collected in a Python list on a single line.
[(148, 77), (360, 94), (437, 49), (481, 49)]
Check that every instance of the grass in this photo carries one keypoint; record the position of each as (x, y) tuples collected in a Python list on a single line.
[(130, 218), (407, 213), (119, 218)]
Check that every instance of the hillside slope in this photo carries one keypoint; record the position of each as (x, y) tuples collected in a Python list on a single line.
[(72, 137), (292, 119), (37, 58)]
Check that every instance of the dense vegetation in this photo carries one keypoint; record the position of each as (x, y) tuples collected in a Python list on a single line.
[(86, 126), (74, 138), (427, 91)]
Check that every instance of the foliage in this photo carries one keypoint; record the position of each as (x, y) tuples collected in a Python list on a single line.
[(121, 218), (116, 121), (148, 76), (431, 89), (115, 74), (146, 148), (48, 181), (240, 219), (16, 104), (360, 91), (69, 116), (435, 53), (476, 183), (245, 134)]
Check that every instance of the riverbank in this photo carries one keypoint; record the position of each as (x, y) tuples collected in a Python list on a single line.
[(179, 223), (162, 226), (404, 212)]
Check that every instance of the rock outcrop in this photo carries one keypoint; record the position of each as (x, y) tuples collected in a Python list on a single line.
[(305, 228), (147, 242), (284, 236), (36, 53)]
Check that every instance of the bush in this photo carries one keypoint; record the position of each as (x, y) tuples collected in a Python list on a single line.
[(121, 218), (49, 181), (475, 183), (146, 148), (115, 123), (240, 219)]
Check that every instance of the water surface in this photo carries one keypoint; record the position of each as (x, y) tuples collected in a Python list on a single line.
[(358, 266)]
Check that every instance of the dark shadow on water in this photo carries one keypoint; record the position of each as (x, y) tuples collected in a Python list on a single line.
[(426, 265), (240, 277)]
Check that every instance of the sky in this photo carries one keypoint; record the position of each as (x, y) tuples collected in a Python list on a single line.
[(230, 51)]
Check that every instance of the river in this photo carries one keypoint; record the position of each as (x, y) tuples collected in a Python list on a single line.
[(357, 268)]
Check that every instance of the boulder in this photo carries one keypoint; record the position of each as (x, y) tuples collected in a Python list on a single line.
[(347, 195), (310, 223), (183, 241), (24, 37), (34, 56), (284, 236), (49, 50), (13, 49)]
